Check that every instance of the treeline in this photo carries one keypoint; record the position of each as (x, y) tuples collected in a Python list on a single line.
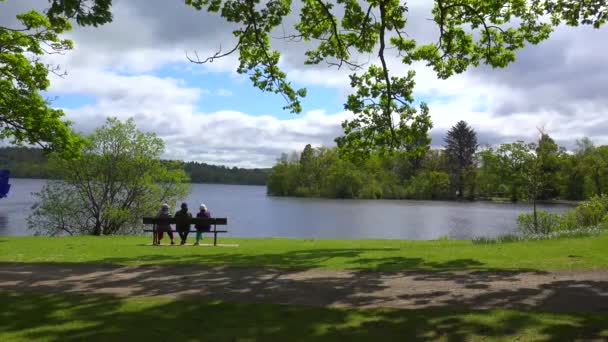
[(205, 173), (25, 163), (539, 170), (33, 163)]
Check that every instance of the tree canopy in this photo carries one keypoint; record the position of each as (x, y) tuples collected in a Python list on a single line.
[(539, 170), (118, 179), (25, 116), (471, 32)]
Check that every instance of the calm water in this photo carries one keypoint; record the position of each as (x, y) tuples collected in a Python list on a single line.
[(251, 213)]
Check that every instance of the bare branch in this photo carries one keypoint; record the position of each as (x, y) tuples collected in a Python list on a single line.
[(218, 54), (14, 30)]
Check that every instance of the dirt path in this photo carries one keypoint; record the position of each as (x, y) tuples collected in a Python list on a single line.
[(562, 291)]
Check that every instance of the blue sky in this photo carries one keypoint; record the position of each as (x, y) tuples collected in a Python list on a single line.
[(225, 91)]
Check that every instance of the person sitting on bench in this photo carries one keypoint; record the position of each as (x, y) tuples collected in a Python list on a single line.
[(200, 228), (164, 227), (183, 228)]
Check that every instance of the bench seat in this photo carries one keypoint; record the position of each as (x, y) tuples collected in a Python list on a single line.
[(214, 221)]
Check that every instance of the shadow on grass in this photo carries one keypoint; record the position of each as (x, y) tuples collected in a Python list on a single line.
[(59, 317), (305, 259), (439, 288), (445, 299)]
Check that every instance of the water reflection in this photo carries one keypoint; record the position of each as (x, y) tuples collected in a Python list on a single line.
[(3, 222)]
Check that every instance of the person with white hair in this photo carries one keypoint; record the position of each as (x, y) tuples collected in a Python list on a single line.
[(201, 228), (164, 227)]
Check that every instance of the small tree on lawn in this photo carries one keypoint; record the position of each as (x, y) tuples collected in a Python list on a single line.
[(118, 179)]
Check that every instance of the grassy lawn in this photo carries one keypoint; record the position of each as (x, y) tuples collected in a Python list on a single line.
[(570, 253), (56, 317)]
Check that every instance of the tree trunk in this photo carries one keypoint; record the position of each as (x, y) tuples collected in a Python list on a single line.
[(598, 183), (460, 185), (535, 214), (97, 230)]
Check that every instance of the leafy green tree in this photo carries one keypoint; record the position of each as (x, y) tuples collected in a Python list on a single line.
[(595, 167), (429, 185), (550, 159), (25, 116), (573, 177), (374, 129), (118, 179), (436, 160), (283, 180), (519, 171), (535, 178), (489, 181), (343, 180), (540, 164), (86, 12), (461, 147), (508, 164), (309, 171), (380, 178)]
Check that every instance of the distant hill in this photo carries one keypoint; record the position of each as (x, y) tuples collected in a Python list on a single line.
[(26, 162), (205, 173)]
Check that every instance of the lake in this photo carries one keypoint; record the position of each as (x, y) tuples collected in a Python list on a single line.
[(251, 213)]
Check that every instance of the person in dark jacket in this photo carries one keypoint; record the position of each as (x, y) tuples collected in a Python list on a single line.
[(183, 228), (164, 227), (200, 228)]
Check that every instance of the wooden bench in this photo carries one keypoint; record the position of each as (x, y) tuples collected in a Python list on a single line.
[(216, 221)]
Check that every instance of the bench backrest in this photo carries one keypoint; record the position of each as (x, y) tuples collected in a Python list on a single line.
[(172, 220)]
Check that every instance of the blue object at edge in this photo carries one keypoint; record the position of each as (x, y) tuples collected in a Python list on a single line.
[(4, 186)]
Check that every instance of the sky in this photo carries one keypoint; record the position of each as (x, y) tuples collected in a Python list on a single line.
[(137, 67)]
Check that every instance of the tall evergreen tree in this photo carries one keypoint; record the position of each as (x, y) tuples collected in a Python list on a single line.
[(460, 146)]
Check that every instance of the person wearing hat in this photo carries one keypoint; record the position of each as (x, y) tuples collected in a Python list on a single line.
[(200, 228), (164, 227), (183, 228)]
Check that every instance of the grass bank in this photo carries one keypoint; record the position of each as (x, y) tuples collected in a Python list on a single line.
[(60, 317), (564, 253)]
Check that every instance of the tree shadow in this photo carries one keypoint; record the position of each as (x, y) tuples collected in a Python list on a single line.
[(58, 317), (352, 288), (301, 259), (439, 296)]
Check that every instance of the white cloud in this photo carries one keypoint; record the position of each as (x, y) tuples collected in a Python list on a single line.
[(168, 107)]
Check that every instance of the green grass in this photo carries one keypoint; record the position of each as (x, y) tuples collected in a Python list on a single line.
[(59, 317), (566, 253)]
